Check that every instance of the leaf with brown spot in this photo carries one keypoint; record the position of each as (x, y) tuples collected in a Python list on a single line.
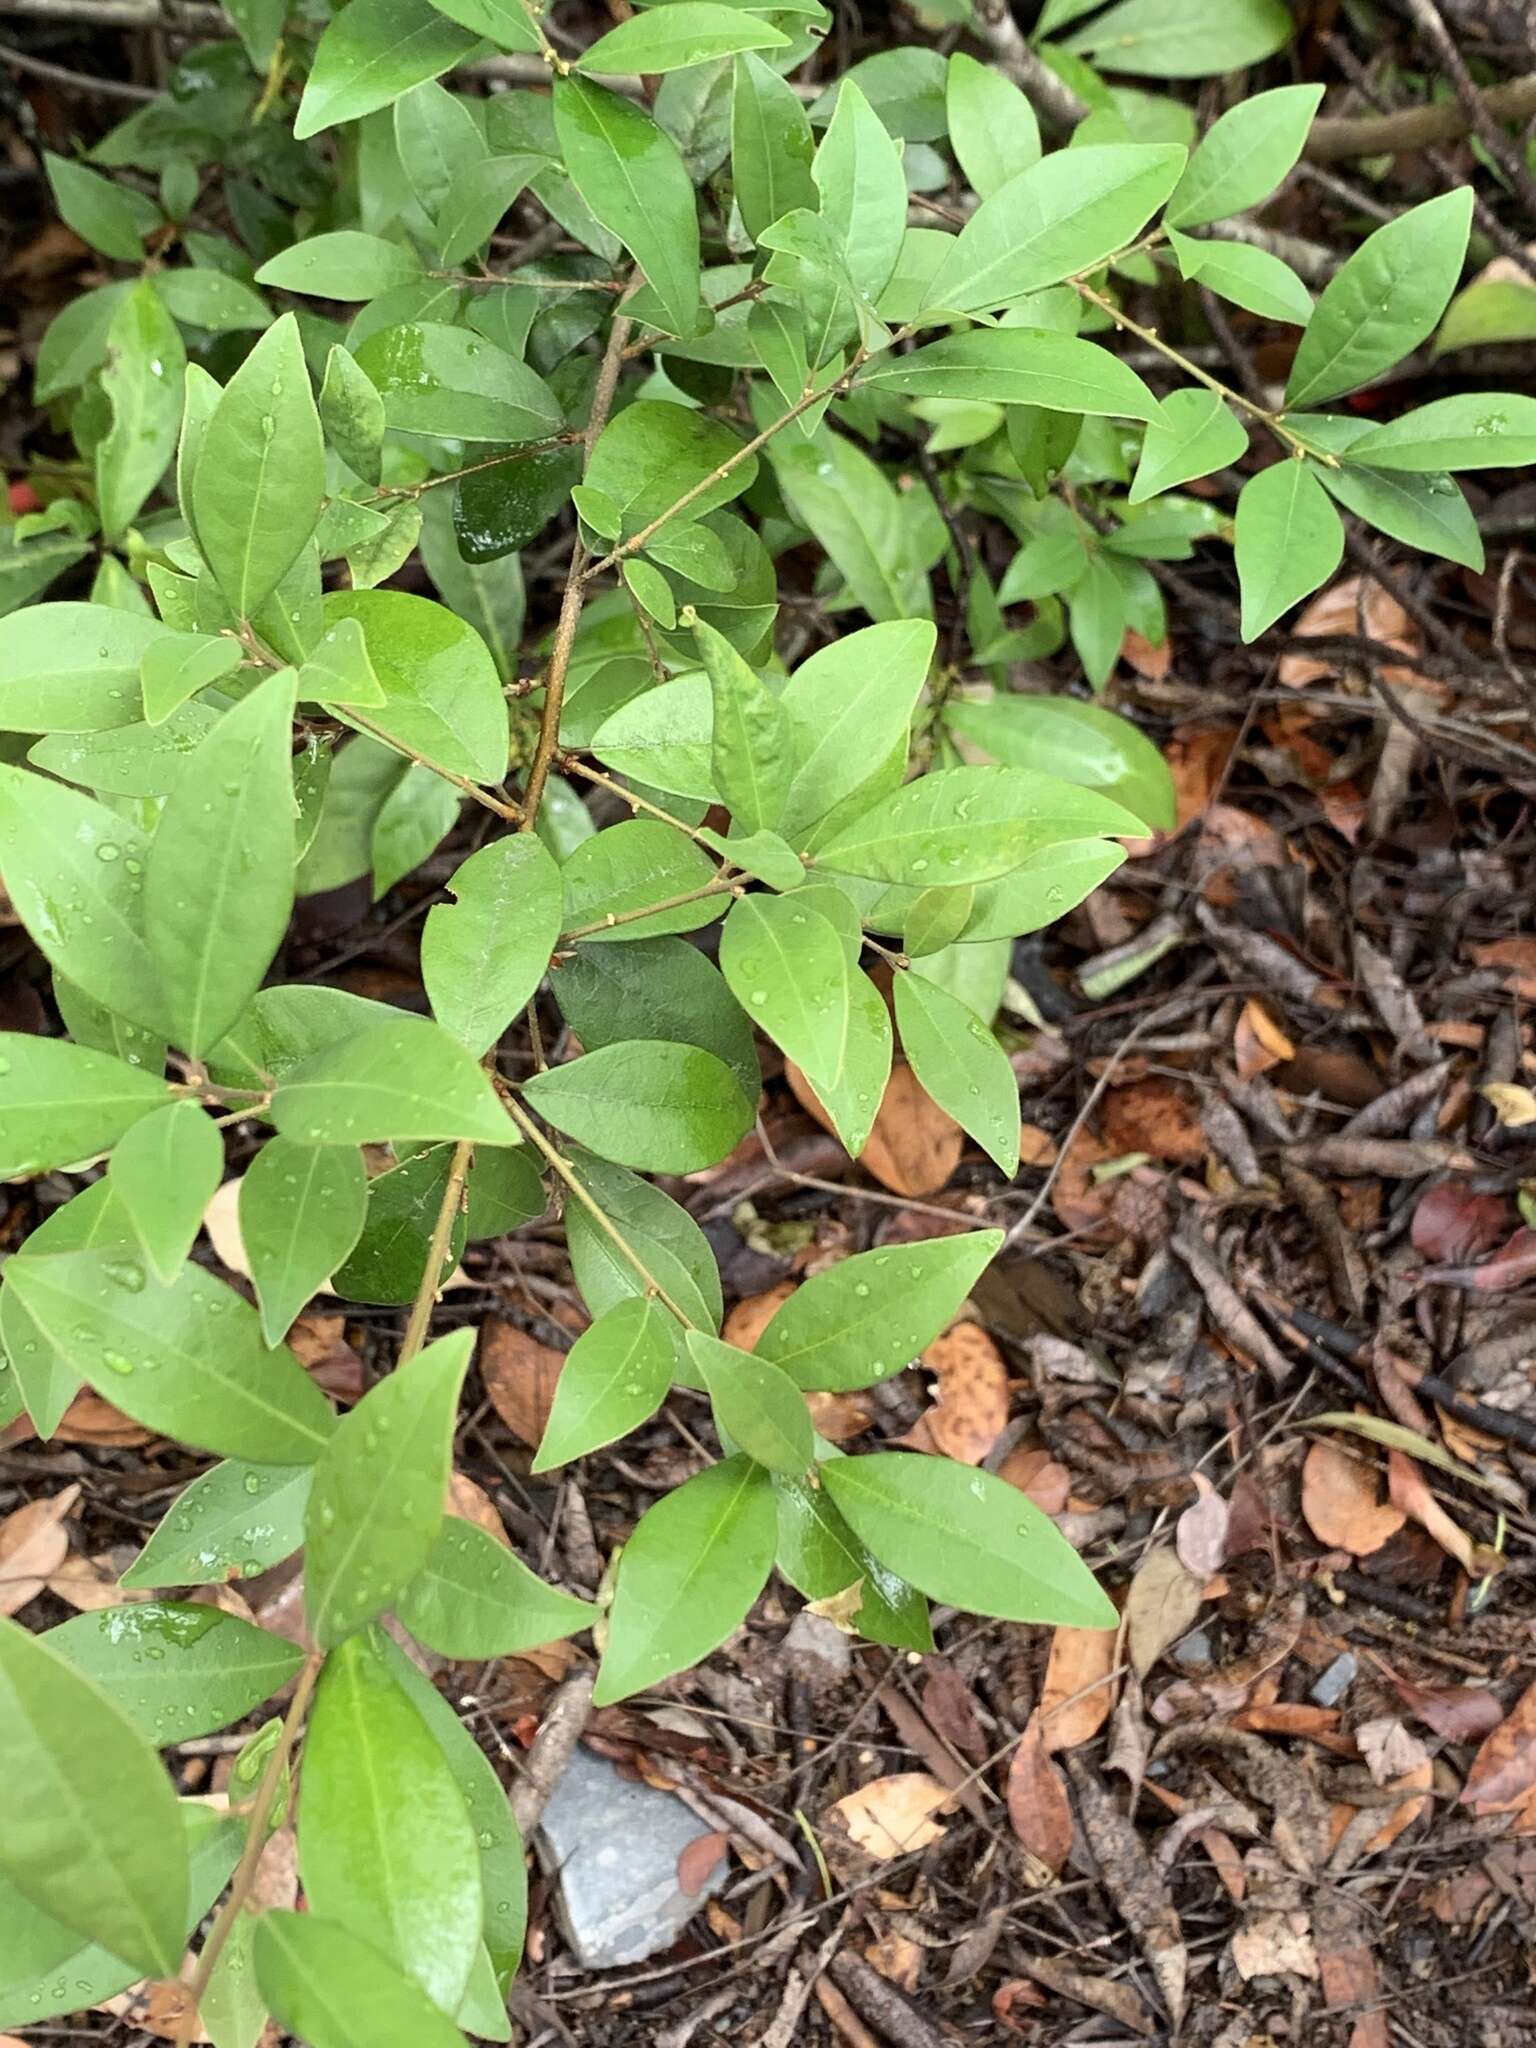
[(33, 1545), (970, 1409), (519, 1374), (892, 1816), (1341, 1499), (698, 1860), (1039, 1811), (1504, 1769), (1162, 1603), (1076, 1696)]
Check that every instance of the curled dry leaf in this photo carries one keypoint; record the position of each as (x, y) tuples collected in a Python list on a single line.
[(1099, 1994), (519, 1374), (1341, 1499), (970, 1409), (1163, 1600), (1509, 1267), (33, 1545), (1387, 1748), (1039, 1811), (90, 1583), (1258, 1043), (1504, 1769), (913, 1147), (1451, 1224), (1274, 1945), (1200, 1535), (892, 1816), (1076, 1696), (1411, 1493)]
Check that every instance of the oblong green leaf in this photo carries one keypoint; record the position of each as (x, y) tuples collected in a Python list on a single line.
[(1193, 433), (1018, 366), (1470, 430), (757, 1406), (45, 1379), (1185, 38), (655, 988), (236, 1520), (92, 1830), (405, 1080), (343, 265), (301, 1209), (72, 667), (671, 38), (955, 1055), (687, 1576), (628, 867), (663, 1108), (442, 693), (334, 1989), (372, 51), (992, 126), (821, 1557), (967, 1538), (441, 380), (1244, 155), (616, 1375), (751, 736), (60, 1103), (484, 955), (771, 146), (673, 1254), (1289, 540), (632, 177), (1254, 279), (176, 1669), (789, 968), (165, 1172), (1078, 741), (474, 1598)]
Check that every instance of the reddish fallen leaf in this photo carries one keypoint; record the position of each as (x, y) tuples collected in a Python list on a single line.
[(1341, 1499), (1200, 1535), (33, 1545), (1163, 1600), (1451, 1224), (519, 1375), (1080, 1202), (1037, 1473), (1518, 959), (1511, 1267), (1504, 1769), (914, 1146), (970, 1409), (950, 1708), (90, 1420), (1156, 1116), (696, 1863), (892, 1816), (1149, 659), (1197, 760), (1076, 1696), (1039, 1811), (1461, 1713)]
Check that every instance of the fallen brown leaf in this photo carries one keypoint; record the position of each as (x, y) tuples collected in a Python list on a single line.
[(1387, 1749), (839, 1417), (1341, 1499), (890, 1816), (1275, 1944), (1504, 1769), (1518, 959), (1341, 610), (90, 1420), (1156, 1116), (1037, 1473), (1039, 1811), (471, 1503), (1163, 1600), (1451, 1224), (33, 1545), (970, 1409), (519, 1375), (1076, 1696), (1099, 1994), (1258, 1043), (1200, 1534), (697, 1861), (913, 1147), (1461, 1713)]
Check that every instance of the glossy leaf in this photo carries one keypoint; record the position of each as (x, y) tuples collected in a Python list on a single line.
[(377, 1502), (442, 380), (236, 1520), (483, 956), (1018, 366), (334, 1989), (955, 1055), (302, 1209), (442, 694), (371, 51), (165, 1171), (473, 1598), (687, 1576), (176, 1669), (821, 1557), (60, 1103), (673, 1254), (1192, 433), (672, 37), (655, 988), (617, 1373), (630, 174), (662, 1108), (176, 666), (789, 968), (758, 1407)]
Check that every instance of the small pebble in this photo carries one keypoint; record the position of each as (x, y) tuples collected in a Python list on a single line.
[(1336, 1680)]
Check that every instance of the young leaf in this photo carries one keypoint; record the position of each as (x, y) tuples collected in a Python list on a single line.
[(165, 1172), (867, 1317), (377, 1501), (1018, 366), (1471, 430), (404, 1080), (60, 1103), (758, 1407), (142, 380), (661, 1108), (483, 956), (617, 1374), (1289, 540), (175, 1668), (967, 1537), (302, 1209), (385, 1843), (1243, 156), (961, 1065), (370, 53), (1192, 434), (1384, 300), (695, 1564), (821, 1557), (992, 127), (343, 265), (92, 1831), (788, 967), (219, 882), (1251, 278), (630, 174), (260, 477), (750, 749), (238, 1519), (473, 1598), (673, 37), (186, 1360), (771, 146), (330, 1987)]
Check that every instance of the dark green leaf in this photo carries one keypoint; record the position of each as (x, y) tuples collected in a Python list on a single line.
[(673, 1253), (371, 52), (659, 1107), (630, 174), (655, 988), (389, 1260), (821, 1557)]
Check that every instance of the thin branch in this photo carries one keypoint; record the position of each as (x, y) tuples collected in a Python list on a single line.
[(499, 805), (1048, 94), (1509, 158), (717, 886), (77, 81), (437, 1253)]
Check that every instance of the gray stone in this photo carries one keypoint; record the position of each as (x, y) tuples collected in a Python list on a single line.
[(1336, 1680), (816, 1649), (612, 1844)]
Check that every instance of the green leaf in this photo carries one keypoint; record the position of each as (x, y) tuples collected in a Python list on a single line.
[(336, 1990), (339, 671), (750, 751), (655, 988), (385, 1842), (235, 1521), (687, 1577), (370, 53), (46, 1380), (1471, 430), (1184, 38), (790, 970), (1384, 301), (74, 872), (483, 956), (867, 1317), (218, 886), (260, 477), (616, 1375), (343, 265), (186, 1360), (439, 142), (992, 127), (92, 1832), (377, 1502), (352, 414), (961, 1065), (670, 38), (628, 867), (757, 1407), (1251, 278), (73, 667), (852, 703), (771, 146), (1079, 742), (177, 665), (473, 1598), (142, 380), (654, 452), (100, 212), (630, 174), (302, 1209), (176, 1669), (417, 815), (673, 1252), (442, 694), (1192, 434), (967, 1538), (1289, 540), (905, 86), (852, 1100), (165, 1172), (970, 825), (1425, 509), (1061, 216), (821, 1557), (664, 737), (406, 1080), (850, 506), (209, 299), (1018, 366), (76, 341), (863, 190), (1243, 156), (662, 1108), (1489, 310), (449, 381), (60, 1103)]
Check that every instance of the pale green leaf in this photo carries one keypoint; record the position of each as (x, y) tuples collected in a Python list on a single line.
[(483, 956), (758, 1408), (61, 1103), (177, 1669), (616, 1375), (682, 33), (1244, 155), (301, 1212), (1193, 433), (165, 1171), (1289, 540), (371, 52), (406, 1079), (237, 1520), (474, 1598), (992, 127)]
